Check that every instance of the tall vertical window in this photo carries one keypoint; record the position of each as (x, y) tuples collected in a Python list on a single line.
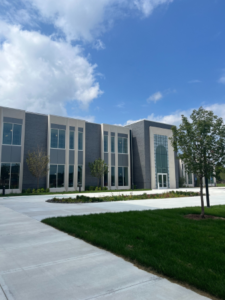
[(106, 179), (105, 143), (57, 138), (79, 175), (123, 176), (189, 178), (112, 176), (113, 144), (12, 134), (122, 145), (71, 175), (10, 174), (80, 140), (56, 176), (71, 140)]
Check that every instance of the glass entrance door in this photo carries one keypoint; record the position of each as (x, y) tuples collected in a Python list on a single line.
[(162, 181)]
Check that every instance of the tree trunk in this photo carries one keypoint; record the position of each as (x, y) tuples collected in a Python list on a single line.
[(202, 200)]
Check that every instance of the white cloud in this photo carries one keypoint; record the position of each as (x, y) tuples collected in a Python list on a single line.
[(155, 97), (99, 45), (41, 75), (120, 105), (147, 6), (194, 81), (222, 80), (86, 118)]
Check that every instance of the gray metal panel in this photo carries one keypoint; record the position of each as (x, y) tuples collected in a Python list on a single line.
[(13, 120), (120, 160), (16, 154), (71, 157), (113, 162), (112, 133), (53, 156), (125, 160), (106, 133), (6, 153), (72, 128), (57, 126), (106, 159), (80, 157), (61, 157), (122, 135), (80, 129)]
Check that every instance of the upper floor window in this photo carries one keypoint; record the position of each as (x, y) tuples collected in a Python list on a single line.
[(105, 143), (12, 134), (80, 140), (71, 140), (122, 145), (113, 144), (58, 138)]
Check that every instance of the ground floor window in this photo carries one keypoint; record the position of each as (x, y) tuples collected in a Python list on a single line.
[(79, 175), (10, 175), (190, 178), (56, 176), (71, 175), (123, 176), (211, 180), (112, 176), (106, 179)]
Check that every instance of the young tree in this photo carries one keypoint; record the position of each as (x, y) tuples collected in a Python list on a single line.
[(98, 168), (200, 144), (37, 162)]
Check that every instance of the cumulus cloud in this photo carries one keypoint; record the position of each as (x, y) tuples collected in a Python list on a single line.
[(155, 97), (42, 75)]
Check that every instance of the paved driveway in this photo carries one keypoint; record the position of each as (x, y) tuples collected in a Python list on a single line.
[(38, 262)]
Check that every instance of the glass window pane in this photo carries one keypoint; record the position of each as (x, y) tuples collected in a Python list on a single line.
[(160, 180), (54, 138), (120, 176), (189, 178), (5, 175), (52, 176), (161, 159), (112, 176), (125, 176), (165, 181), (125, 148), (105, 143), (17, 134), (112, 144), (80, 140), (71, 174), (62, 139), (72, 140), (79, 177), (106, 179), (15, 175), (60, 179), (7, 134), (120, 145)]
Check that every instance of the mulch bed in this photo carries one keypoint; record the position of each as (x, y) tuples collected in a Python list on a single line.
[(198, 217)]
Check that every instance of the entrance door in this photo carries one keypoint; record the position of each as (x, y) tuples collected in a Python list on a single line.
[(162, 181)]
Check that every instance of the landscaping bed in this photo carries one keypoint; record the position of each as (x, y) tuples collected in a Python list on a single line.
[(86, 199), (163, 241)]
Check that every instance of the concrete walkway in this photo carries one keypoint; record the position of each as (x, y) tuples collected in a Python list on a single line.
[(38, 262)]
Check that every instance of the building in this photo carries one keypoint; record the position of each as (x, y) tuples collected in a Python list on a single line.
[(138, 154)]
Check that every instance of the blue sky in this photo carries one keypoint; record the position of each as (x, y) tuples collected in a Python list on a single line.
[(113, 61)]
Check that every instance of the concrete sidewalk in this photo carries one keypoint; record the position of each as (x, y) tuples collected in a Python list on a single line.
[(38, 262)]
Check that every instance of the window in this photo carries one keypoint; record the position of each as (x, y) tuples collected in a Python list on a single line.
[(161, 159), (123, 176), (79, 177), (106, 179), (10, 174), (80, 140), (12, 134), (56, 176), (122, 145), (211, 180), (113, 144), (71, 140), (105, 143), (71, 175), (189, 178), (112, 176), (58, 138)]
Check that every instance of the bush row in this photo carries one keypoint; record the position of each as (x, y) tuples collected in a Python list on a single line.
[(35, 191), (96, 188)]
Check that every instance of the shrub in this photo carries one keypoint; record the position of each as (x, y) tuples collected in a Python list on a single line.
[(47, 190), (42, 190), (28, 191), (105, 188), (33, 191), (91, 188), (38, 191)]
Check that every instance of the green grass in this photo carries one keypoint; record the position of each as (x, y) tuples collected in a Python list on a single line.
[(191, 252), (86, 199), (220, 184)]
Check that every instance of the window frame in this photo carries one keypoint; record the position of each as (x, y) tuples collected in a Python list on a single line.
[(56, 187), (122, 138), (10, 175), (11, 144), (123, 176), (58, 139)]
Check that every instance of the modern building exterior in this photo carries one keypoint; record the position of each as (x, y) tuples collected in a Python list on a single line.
[(139, 154)]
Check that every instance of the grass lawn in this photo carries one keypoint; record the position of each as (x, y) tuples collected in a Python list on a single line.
[(189, 251), (220, 184)]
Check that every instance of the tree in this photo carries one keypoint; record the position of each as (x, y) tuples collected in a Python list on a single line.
[(200, 144), (98, 168), (37, 162)]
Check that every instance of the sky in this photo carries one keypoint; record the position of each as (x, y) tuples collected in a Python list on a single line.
[(113, 61)]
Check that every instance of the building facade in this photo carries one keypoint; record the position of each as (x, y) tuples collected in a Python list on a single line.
[(139, 154)]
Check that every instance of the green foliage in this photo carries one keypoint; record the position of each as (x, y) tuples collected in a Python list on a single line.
[(47, 190), (28, 191), (98, 168), (33, 191), (181, 182)]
